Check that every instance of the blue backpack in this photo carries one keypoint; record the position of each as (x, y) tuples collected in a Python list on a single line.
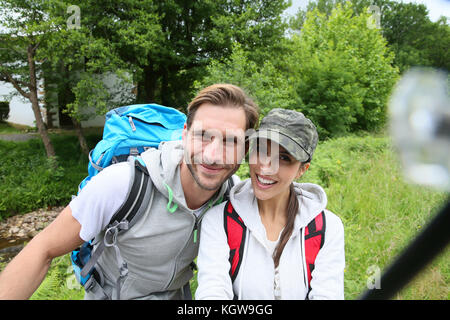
[(131, 130), (128, 132)]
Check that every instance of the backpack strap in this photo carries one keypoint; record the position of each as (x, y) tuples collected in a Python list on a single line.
[(314, 240), (230, 185), (235, 230), (139, 193)]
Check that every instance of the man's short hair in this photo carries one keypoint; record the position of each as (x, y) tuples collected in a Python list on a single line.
[(227, 95)]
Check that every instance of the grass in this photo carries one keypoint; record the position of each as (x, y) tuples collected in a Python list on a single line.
[(8, 128), (29, 181), (380, 211), (362, 176)]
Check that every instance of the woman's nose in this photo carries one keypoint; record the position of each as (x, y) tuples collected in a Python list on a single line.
[(267, 165)]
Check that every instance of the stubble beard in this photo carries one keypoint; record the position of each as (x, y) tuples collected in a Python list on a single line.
[(205, 187)]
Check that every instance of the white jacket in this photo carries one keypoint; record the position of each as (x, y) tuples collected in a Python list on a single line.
[(255, 280)]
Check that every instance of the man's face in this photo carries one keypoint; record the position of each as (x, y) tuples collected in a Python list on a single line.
[(214, 144)]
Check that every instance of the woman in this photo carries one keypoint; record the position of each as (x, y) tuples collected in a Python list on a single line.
[(274, 238)]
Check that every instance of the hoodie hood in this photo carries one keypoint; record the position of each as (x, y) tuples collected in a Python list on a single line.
[(312, 200), (166, 175)]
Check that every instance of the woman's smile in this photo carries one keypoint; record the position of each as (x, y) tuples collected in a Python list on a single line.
[(264, 182)]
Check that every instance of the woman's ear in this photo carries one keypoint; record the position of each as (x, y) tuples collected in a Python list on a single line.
[(302, 170)]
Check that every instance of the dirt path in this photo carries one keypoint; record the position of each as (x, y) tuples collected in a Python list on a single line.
[(18, 136)]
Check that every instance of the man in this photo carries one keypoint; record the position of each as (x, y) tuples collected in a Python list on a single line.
[(188, 177)]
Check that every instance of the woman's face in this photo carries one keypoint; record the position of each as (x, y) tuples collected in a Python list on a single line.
[(269, 179)]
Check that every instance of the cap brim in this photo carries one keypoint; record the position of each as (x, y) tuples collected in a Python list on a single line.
[(287, 143)]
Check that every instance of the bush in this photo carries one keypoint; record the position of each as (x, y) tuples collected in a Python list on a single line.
[(342, 72), (28, 180), (4, 110), (267, 86)]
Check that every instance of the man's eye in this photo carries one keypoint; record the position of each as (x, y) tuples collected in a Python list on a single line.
[(284, 157), (231, 140), (202, 136)]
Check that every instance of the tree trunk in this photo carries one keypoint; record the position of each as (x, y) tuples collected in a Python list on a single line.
[(147, 86), (42, 129), (81, 138)]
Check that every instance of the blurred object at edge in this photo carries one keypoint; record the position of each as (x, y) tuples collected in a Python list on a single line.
[(420, 126)]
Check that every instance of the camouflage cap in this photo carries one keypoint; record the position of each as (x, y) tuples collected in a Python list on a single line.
[(291, 130)]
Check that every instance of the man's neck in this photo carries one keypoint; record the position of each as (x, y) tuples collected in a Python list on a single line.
[(194, 195)]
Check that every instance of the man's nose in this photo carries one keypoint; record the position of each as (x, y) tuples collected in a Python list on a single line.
[(213, 152)]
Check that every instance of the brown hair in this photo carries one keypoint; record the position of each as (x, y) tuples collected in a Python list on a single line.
[(226, 95)]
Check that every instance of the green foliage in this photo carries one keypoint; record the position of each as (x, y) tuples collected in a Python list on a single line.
[(342, 73), (7, 128), (265, 83), (338, 72), (335, 157), (29, 180), (60, 283), (381, 212), (4, 110), (411, 35), (414, 38)]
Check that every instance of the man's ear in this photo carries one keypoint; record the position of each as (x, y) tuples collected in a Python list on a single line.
[(184, 133), (302, 170)]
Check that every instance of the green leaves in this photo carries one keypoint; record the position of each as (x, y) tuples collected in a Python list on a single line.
[(338, 72), (29, 180), (265, 83), (345, 72)]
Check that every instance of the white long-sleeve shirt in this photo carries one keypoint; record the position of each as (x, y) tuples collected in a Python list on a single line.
[(257, 278)]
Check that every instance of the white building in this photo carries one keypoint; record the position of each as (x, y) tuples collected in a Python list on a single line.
[(22, 113)]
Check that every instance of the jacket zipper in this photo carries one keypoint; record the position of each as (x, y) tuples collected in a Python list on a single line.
[(195, 237), (175, 269)]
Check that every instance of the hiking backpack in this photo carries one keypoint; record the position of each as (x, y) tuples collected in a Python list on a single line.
[(128, 131), (131, 130), (235, 231)]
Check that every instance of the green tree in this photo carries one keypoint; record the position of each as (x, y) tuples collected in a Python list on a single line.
[(27, 30), (267, 84), (414, 38), (39, 47), (411, 35), (342, 71), (168, 43)]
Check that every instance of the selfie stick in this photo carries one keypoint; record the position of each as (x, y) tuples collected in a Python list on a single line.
[(432, 240)]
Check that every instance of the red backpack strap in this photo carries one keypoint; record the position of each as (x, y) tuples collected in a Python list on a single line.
[(314, 240), (235, 230)]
